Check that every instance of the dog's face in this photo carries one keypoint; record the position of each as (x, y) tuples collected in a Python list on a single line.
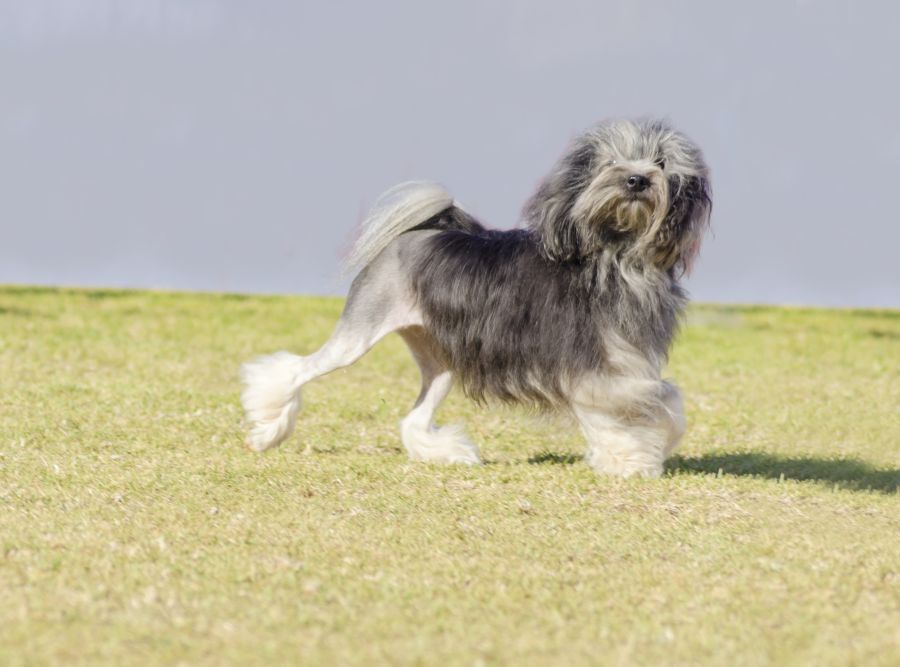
[(638, 186)]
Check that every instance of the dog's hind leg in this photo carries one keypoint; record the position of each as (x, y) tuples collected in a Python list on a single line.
[(422, 439), (271, 397)]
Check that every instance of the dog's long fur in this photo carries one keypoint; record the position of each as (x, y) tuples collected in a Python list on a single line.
[(575, 310)]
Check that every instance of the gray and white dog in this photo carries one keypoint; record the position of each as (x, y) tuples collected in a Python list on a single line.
[(576, 310)]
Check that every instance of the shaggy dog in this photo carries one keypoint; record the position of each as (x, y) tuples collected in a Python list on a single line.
[(574, 311)]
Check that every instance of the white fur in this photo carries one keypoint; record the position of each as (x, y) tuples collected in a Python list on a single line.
[(399, 209), (445, 444), (632, 420), (675, 412), (426, 442), (621, 449), (271, 398)]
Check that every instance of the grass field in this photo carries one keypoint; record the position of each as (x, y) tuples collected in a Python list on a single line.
[(135, 529)]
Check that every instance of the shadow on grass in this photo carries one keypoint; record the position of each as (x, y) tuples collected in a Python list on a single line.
[(843, 473), (553, 458), (848, 474)]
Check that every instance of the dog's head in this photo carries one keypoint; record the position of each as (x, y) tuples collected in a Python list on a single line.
[(635, 186)]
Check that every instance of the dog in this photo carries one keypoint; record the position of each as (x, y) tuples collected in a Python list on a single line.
[(575, 310)]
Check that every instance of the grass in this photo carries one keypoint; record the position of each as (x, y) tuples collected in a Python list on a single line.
[(134, 528)]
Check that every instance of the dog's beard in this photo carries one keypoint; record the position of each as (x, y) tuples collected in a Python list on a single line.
[(631, 214), (605, 203)]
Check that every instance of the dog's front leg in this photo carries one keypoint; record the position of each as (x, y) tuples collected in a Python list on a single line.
[(631, 426)]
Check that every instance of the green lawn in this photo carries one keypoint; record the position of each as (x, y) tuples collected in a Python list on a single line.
[(135, 528)]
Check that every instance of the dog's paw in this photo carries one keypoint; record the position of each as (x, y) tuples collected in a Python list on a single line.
[(617, 464), (447, 444)]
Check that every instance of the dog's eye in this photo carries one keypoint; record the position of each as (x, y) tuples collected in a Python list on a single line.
[(661, 162)]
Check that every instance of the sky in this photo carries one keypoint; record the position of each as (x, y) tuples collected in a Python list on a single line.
[(229, 145)]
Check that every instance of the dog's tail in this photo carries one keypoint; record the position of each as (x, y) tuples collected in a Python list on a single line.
[(272, 384), (400, 209)]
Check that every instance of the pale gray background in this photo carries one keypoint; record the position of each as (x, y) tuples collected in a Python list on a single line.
[(233, 145)]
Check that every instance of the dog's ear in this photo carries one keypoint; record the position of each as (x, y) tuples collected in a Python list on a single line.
[(688, 219), (549, 211)]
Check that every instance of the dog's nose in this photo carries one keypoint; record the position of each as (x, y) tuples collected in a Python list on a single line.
[(636, 183)]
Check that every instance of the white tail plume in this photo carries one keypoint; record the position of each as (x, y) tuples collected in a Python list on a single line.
[(398, 210)]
